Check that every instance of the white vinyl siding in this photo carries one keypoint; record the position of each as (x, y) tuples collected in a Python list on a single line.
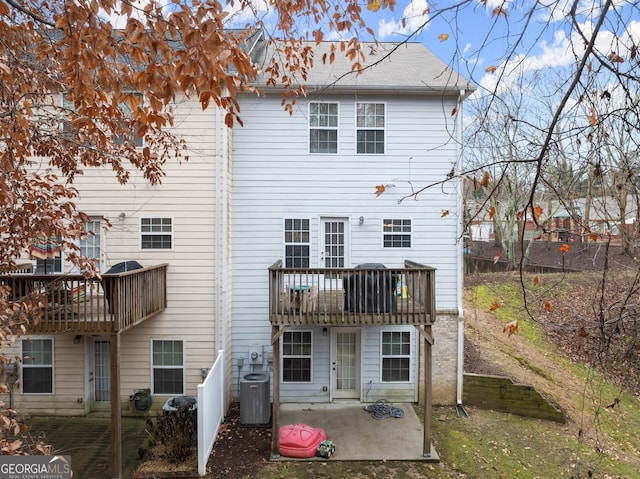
[(323, 127), (370, 125), (272, 149), (37, 366)]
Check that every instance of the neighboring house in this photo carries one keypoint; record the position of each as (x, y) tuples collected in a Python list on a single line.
[(566, 222), (306, 214), (157, 325)]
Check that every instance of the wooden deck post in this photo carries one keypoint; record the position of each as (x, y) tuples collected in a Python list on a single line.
[(275, 408), (428, 391), (116, 408)]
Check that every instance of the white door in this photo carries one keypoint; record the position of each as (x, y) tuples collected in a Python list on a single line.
[(345, 363), (334, 247), (100, 376), (334, 236)]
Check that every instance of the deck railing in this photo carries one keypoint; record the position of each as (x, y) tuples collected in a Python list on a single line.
[(76, 304), (365, 295)]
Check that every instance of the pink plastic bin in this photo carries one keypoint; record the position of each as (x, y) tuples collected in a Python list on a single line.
[(300, 440)]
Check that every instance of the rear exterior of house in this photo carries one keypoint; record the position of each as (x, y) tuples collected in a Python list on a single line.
[(162, 319), (333, 278)]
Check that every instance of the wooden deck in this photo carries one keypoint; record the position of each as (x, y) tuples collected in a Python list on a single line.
[(352, 297), (75, 304)]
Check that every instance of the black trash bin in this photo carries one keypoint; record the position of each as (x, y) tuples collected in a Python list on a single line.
[(370, 291), (117, 268)]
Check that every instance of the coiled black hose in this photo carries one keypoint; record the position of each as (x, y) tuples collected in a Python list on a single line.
[(381, 409)]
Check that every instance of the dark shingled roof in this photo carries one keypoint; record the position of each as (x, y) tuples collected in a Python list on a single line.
[(395, 68)]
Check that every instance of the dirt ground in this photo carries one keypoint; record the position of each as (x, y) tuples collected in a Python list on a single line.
[(239, 451)]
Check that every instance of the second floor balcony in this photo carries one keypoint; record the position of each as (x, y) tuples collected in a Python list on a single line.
[(64, 303), (361, 296)]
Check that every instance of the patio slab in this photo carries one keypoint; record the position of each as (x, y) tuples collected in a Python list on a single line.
[(358, 436)]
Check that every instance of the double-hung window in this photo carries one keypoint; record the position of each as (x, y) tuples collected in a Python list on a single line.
[(167, 364), (156, 233), (296, 356), (90, 245), (323, 127), (396, 233), (37, 366), (370, 125), (396, 356), (296, 243)]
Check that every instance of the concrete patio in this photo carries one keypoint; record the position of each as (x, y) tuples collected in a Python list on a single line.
[(358, 436)]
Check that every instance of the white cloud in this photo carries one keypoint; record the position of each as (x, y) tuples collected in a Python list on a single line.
[(414, 15)]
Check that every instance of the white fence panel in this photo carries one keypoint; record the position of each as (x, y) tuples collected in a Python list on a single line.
[(210, 411)]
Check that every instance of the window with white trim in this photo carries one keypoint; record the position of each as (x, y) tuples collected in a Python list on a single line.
[(167, 365), (130, 100), (156, 233), (370, 126), (296, 357), (90, 245), (49, 265), (396, 356), (396, 233), (296, 243), (323, 127), (37, 366)]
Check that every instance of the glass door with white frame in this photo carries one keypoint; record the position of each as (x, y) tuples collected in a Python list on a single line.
[(345, 363), (334, 248)]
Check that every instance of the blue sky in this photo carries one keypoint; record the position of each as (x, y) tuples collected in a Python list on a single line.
[(478, 38)]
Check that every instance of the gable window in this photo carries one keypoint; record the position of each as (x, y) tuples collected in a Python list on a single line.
[(370, 128), (70, 131), (396, 233), (296, 243), (156, 233), (396, 355), (37, 366), (167, 364), (296, 357), (126, 106), (323, 127)]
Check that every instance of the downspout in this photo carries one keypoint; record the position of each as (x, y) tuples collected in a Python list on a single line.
[(224, 242), (460, 267), (216, 280)]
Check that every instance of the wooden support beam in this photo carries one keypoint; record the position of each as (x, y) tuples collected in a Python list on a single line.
[(427, 336), (116, 407), (275, 408), (428, 390), (276, 336)]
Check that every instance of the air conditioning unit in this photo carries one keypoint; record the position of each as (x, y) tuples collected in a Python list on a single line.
[(255, 402)]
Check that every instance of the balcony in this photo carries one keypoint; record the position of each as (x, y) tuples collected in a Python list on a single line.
[(363, 296), (75, 304)]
